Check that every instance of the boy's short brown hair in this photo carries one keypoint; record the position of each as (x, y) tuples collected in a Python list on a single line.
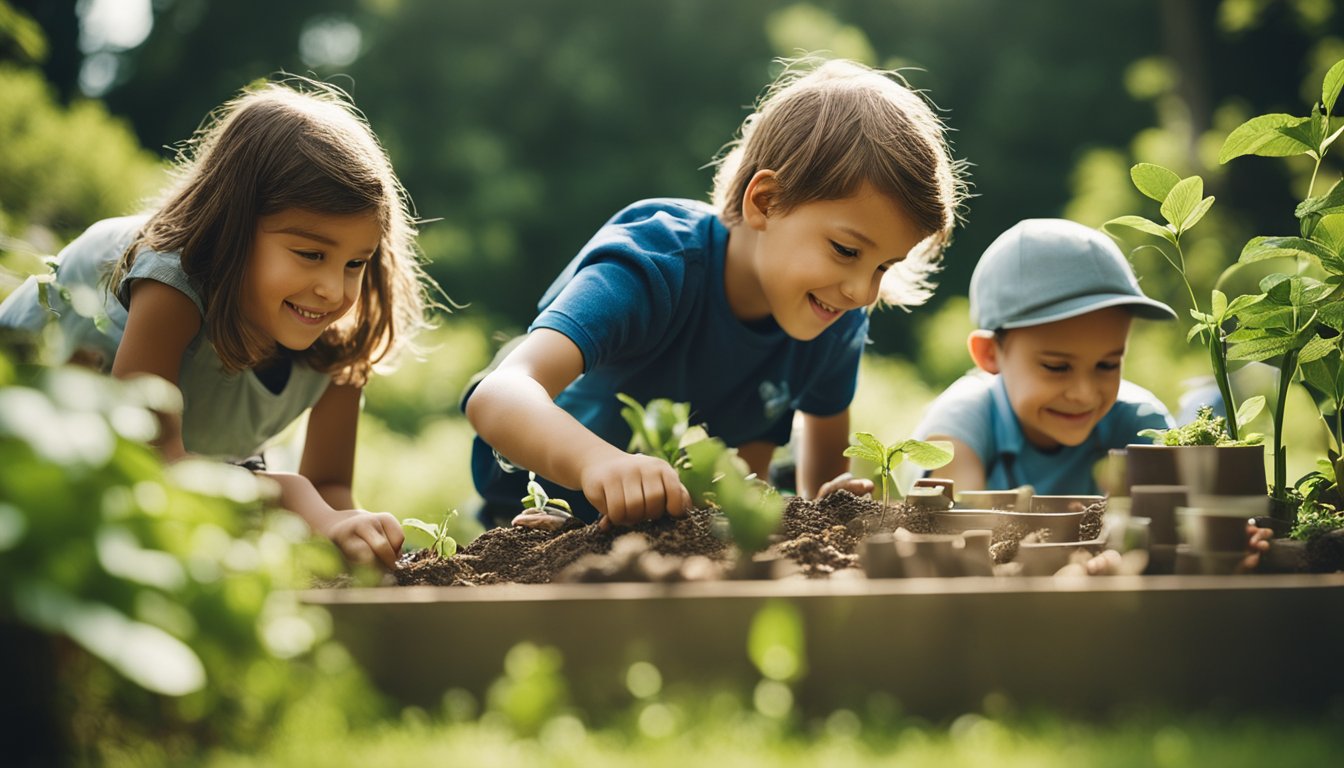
[(824, 130)]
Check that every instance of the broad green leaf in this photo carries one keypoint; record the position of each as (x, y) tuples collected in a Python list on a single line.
[(1242, 302), (865, 453), (1197, 214), (1195, 330), (1249, 409), (1261, 136), (1182, 200), (1329, 233), (1140, 224), (1307, 133), (1262, 349), (1323, 205), (420, 525), (1153, 180), (1314, 350), (1218, 304), (1330, 86), (929, 455), (1262, 248)]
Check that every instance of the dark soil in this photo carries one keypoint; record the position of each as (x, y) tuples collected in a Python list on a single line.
[(816, 539)]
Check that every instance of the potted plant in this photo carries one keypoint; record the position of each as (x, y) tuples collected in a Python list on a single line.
[(1296, 320)]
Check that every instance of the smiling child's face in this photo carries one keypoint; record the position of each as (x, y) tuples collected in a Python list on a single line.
[(1063, 377), (811, 264), (305, 272)]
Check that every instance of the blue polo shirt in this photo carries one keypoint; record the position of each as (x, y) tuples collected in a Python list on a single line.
[(644, 301), (975, 410)]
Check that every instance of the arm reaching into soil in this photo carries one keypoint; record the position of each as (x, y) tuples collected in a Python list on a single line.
[(822, 465), (513, 409)]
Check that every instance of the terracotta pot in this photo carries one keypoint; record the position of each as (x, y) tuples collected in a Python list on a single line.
[(1205, 529), (1063, 503), (948, 486), (1047, 557), (1006, 500), (877, 556), (1235, 470), (1284, 556), (1158, 503)]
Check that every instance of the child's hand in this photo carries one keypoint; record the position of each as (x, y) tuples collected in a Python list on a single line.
[(859, 486), (368, 537), (633, 488), (1257, 541)]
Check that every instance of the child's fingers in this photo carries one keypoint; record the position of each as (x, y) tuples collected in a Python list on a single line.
[(396, 537), (372, 534), (679, 500), (604, 523)]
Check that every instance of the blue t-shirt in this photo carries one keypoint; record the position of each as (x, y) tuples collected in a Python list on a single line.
[(644, 302), (976, 411)]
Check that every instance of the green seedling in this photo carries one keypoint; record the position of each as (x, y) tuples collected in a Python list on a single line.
[(662, 428), (717, 477), (1315, 515), (1208, 429), (885, 459), (540, 510), (441, 543)]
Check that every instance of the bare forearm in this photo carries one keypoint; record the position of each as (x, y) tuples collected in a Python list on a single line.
[(300, 496), (518, 418)]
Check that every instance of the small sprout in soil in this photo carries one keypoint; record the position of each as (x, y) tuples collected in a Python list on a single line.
[(540, 511), (1208, 429), (1316, 517), (442, 544), (885, 459)]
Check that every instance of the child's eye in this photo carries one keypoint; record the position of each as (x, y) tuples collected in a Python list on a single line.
[(309, 255), (848, 253), (1055, 367), (355, 264), (1108, 366)]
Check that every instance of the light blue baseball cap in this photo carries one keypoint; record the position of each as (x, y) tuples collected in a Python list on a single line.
[(1043, 270)]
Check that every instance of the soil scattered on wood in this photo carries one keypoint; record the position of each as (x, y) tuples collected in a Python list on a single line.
[(816, 539)]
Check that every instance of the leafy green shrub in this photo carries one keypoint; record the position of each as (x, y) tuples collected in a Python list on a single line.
[(66, 167), (1208, 429), (165, 576)]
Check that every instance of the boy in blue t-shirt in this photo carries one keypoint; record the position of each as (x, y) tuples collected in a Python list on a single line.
[(1053, 301), (840, 192)]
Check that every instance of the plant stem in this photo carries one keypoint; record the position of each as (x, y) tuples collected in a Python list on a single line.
[(1312, 186), (1280, 453), (1218, 360), (1181, 269)]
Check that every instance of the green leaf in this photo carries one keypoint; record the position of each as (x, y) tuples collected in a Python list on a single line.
[(1153, 180), (1262, 248), (1140, 224), (1307, 133), (1197, 214), (1241, 303), (1262, 349), (1329, 233), (1218, 305), (420, 525), (1182, 200), (1314, 350), (1195, 330), (862, 452), (1323, 205), (1261, 136), (1250, 408), (929, 455), (1334, 79)]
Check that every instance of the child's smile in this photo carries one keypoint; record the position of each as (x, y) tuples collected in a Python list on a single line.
[(305, 272), (808, 266), (1063, 377)]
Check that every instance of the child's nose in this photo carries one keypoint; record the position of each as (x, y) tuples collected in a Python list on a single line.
[(330, 284)]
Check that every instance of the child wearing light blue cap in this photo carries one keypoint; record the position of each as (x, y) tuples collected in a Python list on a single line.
[(1053, 301)]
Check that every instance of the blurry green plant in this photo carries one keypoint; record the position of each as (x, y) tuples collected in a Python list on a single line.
[(1208, 429), (886, 458), (441, 542), (1315, 515), (165, 575)]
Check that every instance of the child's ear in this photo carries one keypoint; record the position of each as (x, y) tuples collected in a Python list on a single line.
[(759, 197), (984, 350)]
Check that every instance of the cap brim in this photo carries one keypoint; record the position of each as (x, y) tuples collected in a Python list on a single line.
[(1141, 306)]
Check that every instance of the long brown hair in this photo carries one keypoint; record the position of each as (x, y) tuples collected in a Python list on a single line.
[(284, 145), (824, 129)]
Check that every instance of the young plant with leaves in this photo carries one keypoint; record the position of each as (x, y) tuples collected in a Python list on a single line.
[(442, 544), (540, 511), (1298, 319), (885, 459), (662, 428), (1208, 429), (1183, 204)]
